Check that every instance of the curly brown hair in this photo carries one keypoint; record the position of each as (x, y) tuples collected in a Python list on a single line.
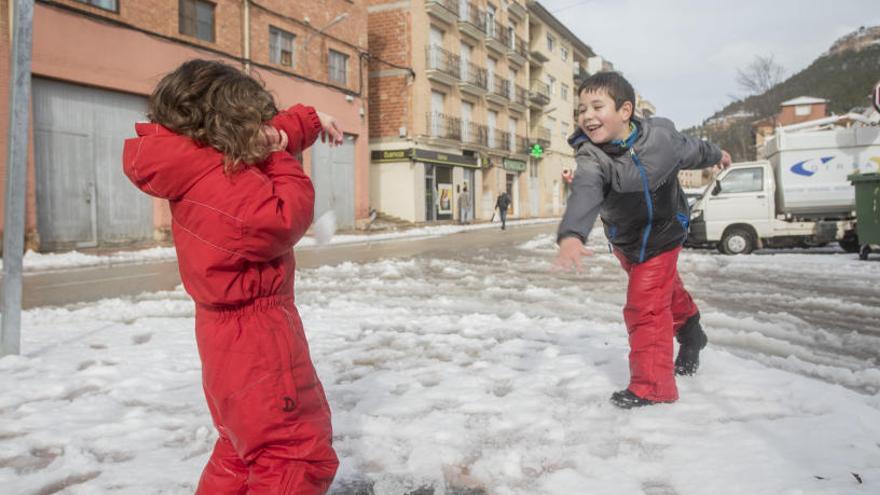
[(218, 105)]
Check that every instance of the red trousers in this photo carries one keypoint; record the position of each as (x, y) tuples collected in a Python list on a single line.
[(657, 305), (266, 402)]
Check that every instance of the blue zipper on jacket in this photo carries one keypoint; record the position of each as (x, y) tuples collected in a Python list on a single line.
[(650, 203)]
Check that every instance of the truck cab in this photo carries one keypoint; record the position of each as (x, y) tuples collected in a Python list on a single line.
[(736, 209)]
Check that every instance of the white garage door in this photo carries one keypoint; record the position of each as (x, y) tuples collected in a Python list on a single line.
[(83, 197)]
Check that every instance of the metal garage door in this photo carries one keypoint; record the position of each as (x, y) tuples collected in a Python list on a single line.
[(333, 176), (83, 197)]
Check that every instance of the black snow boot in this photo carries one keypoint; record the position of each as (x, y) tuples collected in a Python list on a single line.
[(625, 399), (692, 339)]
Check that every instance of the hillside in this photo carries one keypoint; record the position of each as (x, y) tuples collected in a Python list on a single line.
[(844, 76)]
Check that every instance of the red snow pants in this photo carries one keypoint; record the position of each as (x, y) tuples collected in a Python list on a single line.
[(657, 305), (266, 402)]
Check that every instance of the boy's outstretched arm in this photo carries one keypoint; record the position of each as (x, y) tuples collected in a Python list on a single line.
[(696, 153), (584, 203)]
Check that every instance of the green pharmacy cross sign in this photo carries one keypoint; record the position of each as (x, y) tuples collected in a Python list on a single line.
[(537, 151)]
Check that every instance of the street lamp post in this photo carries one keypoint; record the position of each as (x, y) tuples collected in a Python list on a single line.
[(16, 175)]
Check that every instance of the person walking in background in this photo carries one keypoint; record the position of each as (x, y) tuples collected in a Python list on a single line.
[(222, 154), (465, 206), (502, 204)]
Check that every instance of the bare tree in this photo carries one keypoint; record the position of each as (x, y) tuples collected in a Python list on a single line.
[(760, 75), (757, 80)]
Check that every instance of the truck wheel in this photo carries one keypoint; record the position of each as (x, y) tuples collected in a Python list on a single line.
[(849, 244), (737, 241), (864, 252)]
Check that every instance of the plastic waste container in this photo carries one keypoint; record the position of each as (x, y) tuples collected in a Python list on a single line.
[(867, 211)]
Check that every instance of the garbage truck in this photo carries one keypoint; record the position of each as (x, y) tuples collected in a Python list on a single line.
[(799, 196)]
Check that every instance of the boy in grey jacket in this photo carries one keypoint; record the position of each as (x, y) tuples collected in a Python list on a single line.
[(627, 174)]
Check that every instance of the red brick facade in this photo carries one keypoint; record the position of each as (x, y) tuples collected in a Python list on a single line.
[(787, 114), (129, 50), (389, 41)]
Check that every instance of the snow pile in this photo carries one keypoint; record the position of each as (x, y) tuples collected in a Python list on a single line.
[(482, 373)]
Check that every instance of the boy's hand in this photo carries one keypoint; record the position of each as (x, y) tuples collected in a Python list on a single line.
[(273, 139), (571, 250), (567, 175), (330, 129), (724, 163)]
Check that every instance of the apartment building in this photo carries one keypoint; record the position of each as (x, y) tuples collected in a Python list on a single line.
[(449, 106), (470, 96), (95, 62), (558, 65)]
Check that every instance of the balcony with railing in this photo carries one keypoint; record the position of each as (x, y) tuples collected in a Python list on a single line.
[(496, 36), (517, 50), (444, 10), (499, 90), (580, 75), (519, 98), (473, 135), (542, 136), (514, 9), (521, 146), (473, 79), (536, 50), (443, 127), (539, 95), (471, 20), (442, 66), (498, 140)]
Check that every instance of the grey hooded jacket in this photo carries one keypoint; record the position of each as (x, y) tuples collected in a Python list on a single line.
[(635, 189)]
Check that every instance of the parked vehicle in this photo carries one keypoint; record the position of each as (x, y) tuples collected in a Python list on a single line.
[(799, 196)]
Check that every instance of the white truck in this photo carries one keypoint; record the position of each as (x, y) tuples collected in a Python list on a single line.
[(799, 196)]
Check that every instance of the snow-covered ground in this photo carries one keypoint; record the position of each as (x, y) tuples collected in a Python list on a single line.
[(41, 262), (481, 372)]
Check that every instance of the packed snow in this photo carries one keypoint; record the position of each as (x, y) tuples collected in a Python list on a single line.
[(480, 372), (42, 262)]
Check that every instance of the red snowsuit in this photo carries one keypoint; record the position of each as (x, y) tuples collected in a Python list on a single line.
[(656, 303), (234, 236)]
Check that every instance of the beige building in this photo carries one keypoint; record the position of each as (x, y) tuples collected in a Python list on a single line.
[(449, 106), (471, 96), (558, 56)]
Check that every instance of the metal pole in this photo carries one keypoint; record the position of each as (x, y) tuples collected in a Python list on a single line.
[(16, 175)]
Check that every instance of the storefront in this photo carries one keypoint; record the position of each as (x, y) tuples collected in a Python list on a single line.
[(419, 185)]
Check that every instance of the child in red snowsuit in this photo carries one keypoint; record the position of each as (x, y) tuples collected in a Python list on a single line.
[(222, 155), (627, 173)]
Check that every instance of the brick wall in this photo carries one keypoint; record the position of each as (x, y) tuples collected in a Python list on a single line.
[(314, 38), (70, 37), (306, 20), (161, 16), (390, 35), (787, 115)]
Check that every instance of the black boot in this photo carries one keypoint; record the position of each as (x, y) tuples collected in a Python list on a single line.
[(625, 399), (692, 339)]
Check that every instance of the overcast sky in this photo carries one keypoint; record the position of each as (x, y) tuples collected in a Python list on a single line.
[(682, 55)]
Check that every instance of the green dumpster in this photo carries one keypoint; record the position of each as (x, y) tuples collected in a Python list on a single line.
[(867, 211)]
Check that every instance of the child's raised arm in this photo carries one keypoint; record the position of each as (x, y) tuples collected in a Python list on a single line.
[(302, 125), (280, 212)]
